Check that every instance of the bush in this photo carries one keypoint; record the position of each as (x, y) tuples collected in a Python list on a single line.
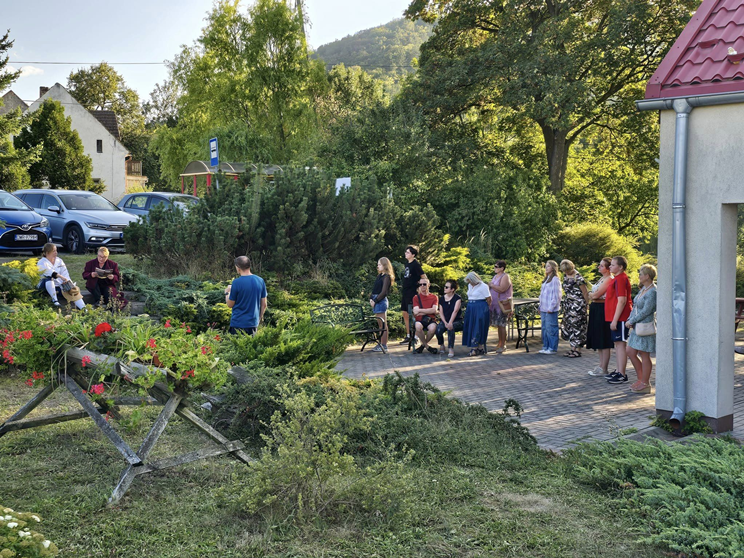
[(588, 243), (690, 497), (18, 540), (305, 470), (18, 280)]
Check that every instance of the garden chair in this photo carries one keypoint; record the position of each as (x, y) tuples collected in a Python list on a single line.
[(367, 328), (527, 318)]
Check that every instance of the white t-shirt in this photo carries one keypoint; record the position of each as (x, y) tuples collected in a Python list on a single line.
[(479, 292), (46, 268)]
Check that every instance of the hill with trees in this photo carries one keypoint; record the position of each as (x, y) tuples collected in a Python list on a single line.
[(386, 52)]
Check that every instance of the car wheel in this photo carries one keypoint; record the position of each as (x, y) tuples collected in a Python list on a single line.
[(74, 240)]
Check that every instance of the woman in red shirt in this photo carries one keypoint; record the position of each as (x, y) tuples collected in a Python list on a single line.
[(618, 304)]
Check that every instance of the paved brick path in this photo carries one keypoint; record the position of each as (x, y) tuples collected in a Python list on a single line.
[(562, 403)]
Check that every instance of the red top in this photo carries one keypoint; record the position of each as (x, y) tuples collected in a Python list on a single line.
[(619, 286), (425, 302), (706, 57)]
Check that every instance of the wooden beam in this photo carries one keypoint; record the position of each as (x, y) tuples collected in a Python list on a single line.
[(23, 424), (191, 417), (30, 406), (204, 453), (101, 422)]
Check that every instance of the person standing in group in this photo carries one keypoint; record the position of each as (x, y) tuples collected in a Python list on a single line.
[(378, 300), (101, 276), (599, 334), (618, 305), (412, 275), (425, 307), (55, 279), (502, 302), (450, 314), (475, 328), (642, 340), (247, 298), (575, 299), (550, 304)]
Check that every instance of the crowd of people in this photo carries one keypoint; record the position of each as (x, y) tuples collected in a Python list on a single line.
[(600, 317)]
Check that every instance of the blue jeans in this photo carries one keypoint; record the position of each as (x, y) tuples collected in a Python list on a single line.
[(549, 321)]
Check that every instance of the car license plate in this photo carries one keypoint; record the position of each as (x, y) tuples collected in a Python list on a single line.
[(19, 237)]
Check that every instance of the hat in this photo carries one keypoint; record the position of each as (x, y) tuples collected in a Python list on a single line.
[(72, 294)]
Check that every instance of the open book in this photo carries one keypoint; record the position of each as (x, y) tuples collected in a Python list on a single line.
[(100, 271)]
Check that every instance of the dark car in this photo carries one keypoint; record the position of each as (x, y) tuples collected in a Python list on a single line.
[(142, 203), (79, 219), (21, 228)]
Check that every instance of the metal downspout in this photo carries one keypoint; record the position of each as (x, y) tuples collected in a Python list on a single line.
[(679, 264)]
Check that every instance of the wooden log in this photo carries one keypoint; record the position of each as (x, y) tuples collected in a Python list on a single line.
[(23, 424), (204, 453), (101, 422), (191, 417), (135, 401), (30, 406)]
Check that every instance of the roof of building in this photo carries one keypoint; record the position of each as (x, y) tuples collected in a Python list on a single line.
[(108, 119), (11, 101), (706, 57)]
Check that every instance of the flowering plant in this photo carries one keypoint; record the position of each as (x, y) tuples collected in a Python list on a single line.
[(18, 540)]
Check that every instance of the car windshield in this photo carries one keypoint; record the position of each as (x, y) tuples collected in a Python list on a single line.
[(184, 200), (11, 203), (87, 202)]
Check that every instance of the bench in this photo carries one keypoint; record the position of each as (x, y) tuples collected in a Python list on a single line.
[(352, 316)]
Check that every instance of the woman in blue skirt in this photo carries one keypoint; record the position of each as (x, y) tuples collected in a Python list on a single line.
[(477, 316)]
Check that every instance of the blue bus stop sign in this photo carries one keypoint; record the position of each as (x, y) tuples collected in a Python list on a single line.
[(214, 158)]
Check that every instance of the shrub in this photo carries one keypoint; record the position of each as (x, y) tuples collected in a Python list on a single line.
[(18, 280), (690, 497), (18, 540), (305, 471), (587, 243)]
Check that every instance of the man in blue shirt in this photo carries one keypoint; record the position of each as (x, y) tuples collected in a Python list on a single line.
[(247, 298)]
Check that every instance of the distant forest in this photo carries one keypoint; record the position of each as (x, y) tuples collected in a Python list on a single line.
[(385, 52)]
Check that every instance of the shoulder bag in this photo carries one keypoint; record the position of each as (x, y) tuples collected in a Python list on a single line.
[(644, 329)]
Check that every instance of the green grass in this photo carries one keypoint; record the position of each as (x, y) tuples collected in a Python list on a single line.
[(510, 508), (76, 262)]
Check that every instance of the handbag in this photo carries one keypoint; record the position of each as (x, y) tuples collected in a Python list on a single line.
[(644, 329), (506, 306)]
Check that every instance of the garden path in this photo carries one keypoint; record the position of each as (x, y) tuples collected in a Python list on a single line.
[(563, 405)]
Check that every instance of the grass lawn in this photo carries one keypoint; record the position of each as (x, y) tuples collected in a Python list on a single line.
[(66, 472), (76, 262)]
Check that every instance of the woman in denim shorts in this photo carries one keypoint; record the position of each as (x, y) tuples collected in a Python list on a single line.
[(379, 302)]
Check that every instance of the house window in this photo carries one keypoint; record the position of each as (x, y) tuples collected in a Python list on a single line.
[(99, 146)]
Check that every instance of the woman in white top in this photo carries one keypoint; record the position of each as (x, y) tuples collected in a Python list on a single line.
[(477, 315), (550, 304), (54, 274)]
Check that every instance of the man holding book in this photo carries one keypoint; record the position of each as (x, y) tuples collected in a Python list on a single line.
[(101, 276)]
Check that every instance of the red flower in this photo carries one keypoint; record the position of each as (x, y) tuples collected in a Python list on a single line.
[(102, 328), (37, 375), (97, 389), (188, 329), (26, 334), (30, 382), (216, 337), (85, 361), (108, 415), (151, 343), (187, 374), (205, 350), (167, 323)]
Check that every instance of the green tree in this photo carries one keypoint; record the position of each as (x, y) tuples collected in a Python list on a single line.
[(14, 162), (559, 64), (62, 162)]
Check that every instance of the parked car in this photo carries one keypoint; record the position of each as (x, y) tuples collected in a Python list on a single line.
[(79, 219), (21, 228), (142, 203)]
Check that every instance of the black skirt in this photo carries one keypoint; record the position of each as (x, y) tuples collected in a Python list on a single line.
[(598, 335)]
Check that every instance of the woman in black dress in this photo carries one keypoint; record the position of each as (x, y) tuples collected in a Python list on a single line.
[(599, 336)]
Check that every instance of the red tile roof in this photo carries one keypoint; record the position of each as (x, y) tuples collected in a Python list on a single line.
[(108, 119), (700, 62)]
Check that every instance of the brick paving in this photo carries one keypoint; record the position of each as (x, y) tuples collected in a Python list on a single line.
[(563, 405)]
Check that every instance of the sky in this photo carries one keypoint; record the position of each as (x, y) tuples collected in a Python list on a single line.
[(88, 32)]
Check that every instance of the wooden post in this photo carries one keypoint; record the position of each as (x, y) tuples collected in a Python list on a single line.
[(28, 407), (195, 185), (182, 184), (209, 182)]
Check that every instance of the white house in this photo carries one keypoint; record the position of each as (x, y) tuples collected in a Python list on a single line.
[(99, 133)]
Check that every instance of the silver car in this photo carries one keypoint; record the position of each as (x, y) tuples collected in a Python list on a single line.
[(79, 219), (141, 203)]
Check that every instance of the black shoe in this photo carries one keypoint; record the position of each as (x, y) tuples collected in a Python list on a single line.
[(419, 350), (619, 379), (611, 375), (432, 350), (406, 340)]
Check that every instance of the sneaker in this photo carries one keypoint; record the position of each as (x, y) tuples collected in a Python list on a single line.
[(611, 375), (378, 349), (441, 350), (451, 354), (543, 352), (619, 379), (419, 350), (56, 304), (405, 340), (549, 352), (432, 350), (597, 371)]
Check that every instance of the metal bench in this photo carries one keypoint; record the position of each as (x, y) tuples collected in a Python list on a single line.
[(527, 318), (352, 316)]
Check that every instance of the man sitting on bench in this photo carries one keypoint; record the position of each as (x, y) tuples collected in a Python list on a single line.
[(425, 307)]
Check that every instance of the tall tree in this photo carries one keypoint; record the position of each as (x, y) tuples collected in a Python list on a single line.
[(560, 64), (14, 162), (62, 162)]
